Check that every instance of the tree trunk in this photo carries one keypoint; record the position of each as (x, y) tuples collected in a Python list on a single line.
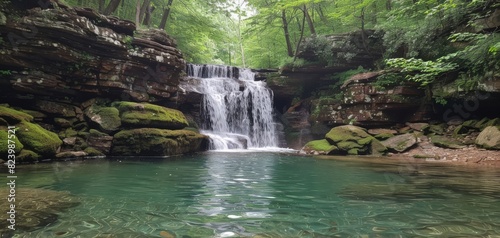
[(112, 6), (144, 8), (102, 3), (309, 21), (138, 13), (287, 34), (241, 43), (301, 35), (166, 12), (147, 17), (388, 5)]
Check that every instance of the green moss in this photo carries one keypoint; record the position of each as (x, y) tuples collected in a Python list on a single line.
[(378, 148), (348, 145), (353, 152), (91, 151), (149, 115), (493, 122), (37, 139), (482, 123), (445, 142), (97, 133), (28, 156), (321, 146), (365, 141), (153, 141), (384, 136), (107, 118), (436, 129), (4, 142), (13, 116), (70, 132), (470, 123), (346, 133)]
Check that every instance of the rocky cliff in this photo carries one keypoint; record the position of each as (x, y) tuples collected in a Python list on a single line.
[(89, 84)]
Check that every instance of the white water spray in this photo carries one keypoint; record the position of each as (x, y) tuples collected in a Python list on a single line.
[(237, 111)]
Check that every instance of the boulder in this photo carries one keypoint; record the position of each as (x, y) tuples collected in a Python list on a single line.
[(353, 140), (321, 147), (489, 138), (400, 143), (38, 139), (379, 131), (56, 108), (418, 126), (151, 116), (157, 142), (446, 142), (12, 116), (100, 141), (106, 118), (27, 156)]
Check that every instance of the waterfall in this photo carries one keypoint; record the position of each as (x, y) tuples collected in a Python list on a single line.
[(237, 112)]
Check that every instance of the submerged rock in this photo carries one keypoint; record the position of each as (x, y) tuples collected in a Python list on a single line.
[(489, 138), (35, 208)]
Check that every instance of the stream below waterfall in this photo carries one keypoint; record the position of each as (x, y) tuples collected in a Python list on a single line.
[(237, 111)]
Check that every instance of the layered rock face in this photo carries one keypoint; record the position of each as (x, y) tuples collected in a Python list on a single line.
[(76, 83), (74, 52)]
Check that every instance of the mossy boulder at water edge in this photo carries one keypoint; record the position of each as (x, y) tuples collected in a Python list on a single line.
[(321, 147), (157, 142), (348, 139), (149, 115), (38, 139)]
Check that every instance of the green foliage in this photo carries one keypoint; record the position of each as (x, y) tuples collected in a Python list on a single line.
[(388, 80), (321, 47), (420, 71), (5, 72), (340, 78)]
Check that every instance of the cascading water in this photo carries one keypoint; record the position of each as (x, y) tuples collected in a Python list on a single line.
[(237, 111)]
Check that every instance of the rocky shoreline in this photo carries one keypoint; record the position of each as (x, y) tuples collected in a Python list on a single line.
[(473, 142)]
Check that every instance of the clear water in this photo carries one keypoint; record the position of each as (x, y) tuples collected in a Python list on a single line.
[(267, 195)]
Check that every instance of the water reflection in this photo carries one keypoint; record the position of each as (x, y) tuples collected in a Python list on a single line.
[(268, 195)]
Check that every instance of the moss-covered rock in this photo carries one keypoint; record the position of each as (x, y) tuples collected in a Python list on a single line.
[(106, 118), (160, 142), (322, 147), (400, 143), (438, 129), (489, 138), (38, 139), (354, 140), (446, 142), (346, 133), (12, 116), (384, 136), (151, 116), (27, 156), (91, 151), (4, 142)]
